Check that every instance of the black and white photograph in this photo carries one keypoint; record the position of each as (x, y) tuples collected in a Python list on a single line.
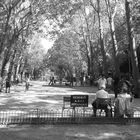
[(69, 69)]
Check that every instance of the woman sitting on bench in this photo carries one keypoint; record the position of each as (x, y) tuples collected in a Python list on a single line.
[(102, 101)]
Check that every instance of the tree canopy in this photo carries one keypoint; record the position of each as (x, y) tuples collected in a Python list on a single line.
[(90, 36)]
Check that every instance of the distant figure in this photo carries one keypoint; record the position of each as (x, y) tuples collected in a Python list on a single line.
[(60, 81), (132, 85), (102, 82), (110, 82), (8, 85), (71, 80), (91, 80), (84, 80), (81, 80), (17, 79), (74, 80), (51, 80), (27, 83)]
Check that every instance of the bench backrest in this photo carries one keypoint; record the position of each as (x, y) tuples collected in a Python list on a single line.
[(102, 103), (66, 100)]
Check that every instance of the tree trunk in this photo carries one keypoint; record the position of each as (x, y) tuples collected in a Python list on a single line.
[(3, 38), (113, 35), (101, 39), (17, 66), (88, 55), (21, 69), (114, 46), (133, 54), (89, 64), (5, 61), (91, 60), (11, 64)]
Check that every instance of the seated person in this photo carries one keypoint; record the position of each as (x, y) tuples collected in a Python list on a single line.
[(123, 104), (102, 101)]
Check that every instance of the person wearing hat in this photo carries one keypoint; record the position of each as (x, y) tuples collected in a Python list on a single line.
[(101, 101)]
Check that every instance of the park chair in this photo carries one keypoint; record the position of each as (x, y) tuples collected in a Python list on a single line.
[(101, 104), (66, 104)]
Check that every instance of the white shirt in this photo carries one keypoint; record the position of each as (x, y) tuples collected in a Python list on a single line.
[(124, 95), (102, 83), (28, 80), (109, 81), (101, 94)]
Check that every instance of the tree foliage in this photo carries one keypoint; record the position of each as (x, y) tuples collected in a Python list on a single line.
[(89, 35)]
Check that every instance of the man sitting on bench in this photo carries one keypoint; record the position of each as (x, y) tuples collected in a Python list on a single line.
[(102, 101)]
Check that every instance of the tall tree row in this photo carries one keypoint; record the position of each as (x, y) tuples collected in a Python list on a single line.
[(107, 36), (132, 48), (17, 22), (99, 35)]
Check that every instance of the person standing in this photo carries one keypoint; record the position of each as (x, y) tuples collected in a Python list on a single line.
[(8, 84), (27, 83), (74, 79), (110, 82), (71, 80), (123, 104), (81, 80), (102, 82)]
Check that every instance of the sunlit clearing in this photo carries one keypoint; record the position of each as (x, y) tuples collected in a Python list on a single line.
[(46, 44), (3, 126), (80, 135), (52, 101), (107, 136)]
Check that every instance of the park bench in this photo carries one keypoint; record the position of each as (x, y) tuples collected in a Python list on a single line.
[(103, 104)]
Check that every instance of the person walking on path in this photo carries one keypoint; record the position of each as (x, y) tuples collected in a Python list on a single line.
[(51, 80), (27, 83), (8, 84)]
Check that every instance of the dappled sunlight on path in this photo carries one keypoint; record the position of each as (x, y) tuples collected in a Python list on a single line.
[(45, 96), (39, 96)]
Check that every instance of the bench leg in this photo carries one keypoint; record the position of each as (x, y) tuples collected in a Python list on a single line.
[(94, 112), (108, 112)]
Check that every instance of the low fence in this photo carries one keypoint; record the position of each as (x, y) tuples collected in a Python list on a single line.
[(59, 116)]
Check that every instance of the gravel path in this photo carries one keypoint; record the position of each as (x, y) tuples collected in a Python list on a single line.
[(41, 95)]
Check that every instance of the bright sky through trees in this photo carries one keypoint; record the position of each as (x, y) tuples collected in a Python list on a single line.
[(47, 44)]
